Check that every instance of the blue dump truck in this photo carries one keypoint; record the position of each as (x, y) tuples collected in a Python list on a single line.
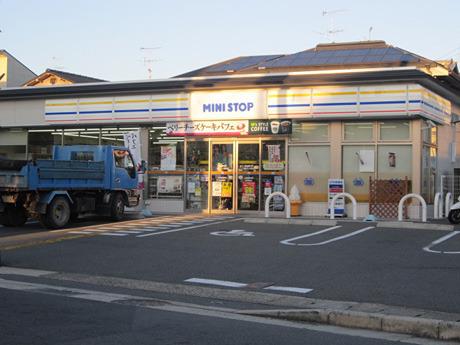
[(79, 179)]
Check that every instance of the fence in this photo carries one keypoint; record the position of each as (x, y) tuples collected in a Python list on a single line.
[(384, 196)]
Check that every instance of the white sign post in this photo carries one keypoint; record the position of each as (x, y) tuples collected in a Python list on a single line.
[(334, 187)]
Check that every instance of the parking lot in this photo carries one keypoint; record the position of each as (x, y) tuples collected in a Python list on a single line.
[(352, 261)]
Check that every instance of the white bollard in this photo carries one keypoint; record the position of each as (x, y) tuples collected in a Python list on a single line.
[(448, 204), (408, 196), (436, 206), (347, 195), (286, 202)]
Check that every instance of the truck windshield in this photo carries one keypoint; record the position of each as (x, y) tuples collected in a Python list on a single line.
[(123, 160)]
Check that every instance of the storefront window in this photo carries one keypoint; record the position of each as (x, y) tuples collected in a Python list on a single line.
[(166, 165), (395, 130), (307, 131), (41, 141), (309, 170), (358, 131), (394, 161), (273, 172), (197, 175), (358, 164), (81, 136)]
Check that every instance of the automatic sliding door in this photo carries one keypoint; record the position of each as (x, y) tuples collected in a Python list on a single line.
[(222, 177)]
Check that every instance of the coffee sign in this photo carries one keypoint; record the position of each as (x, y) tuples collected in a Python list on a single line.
[(281, 126)]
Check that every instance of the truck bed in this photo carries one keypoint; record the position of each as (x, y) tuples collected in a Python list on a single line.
[(55, 174)]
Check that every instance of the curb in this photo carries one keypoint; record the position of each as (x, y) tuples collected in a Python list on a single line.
[(325, 222), (419, 327), (419, 226)]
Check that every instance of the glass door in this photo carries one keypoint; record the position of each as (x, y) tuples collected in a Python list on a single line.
[(197, 176), (222, 177), (248, 176)]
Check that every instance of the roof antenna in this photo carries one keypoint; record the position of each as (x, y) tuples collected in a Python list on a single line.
[(148, 62), (331, 31), (370, 31)]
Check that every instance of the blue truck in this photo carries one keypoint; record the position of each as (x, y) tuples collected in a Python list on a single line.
[(78, 179)]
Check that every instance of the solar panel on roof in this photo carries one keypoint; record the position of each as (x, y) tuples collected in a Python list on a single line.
[(242, 63)]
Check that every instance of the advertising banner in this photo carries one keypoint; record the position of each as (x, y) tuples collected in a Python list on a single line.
[(270, 127), (336, 186), (168, 157)]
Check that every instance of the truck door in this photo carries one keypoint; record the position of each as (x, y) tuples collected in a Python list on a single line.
[(125, 171)]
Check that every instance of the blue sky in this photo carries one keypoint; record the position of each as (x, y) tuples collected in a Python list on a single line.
[(102, 38)]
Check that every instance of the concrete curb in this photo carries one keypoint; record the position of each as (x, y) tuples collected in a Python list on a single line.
[(330, 222), (324, 222), (419, 226), (419, 327)]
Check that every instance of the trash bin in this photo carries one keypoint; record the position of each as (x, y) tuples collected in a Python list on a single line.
[(295, 208)]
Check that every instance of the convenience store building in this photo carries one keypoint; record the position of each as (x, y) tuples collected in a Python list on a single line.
[(222, 138)]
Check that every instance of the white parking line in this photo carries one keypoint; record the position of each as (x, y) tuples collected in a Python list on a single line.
[(186, 228), (354, 233), (215, 282), (440, 240), (87, 232), (287, 289), (113, 234)]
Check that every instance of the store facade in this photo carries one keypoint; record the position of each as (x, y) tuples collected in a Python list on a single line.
[(225, 150)]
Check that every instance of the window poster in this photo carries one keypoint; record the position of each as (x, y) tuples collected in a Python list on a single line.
[(168, 157), (227, 189), (274, 158), (366, 160), (169, 184), (216, 188)]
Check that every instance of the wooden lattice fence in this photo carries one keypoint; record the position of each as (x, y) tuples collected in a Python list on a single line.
[(384, 196)]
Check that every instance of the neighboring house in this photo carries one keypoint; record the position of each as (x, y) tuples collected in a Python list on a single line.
[(13, 73), (54, 77)]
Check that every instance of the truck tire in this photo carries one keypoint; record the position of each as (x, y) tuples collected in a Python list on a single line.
[(117, 207), (17, 215), (57, 213), (454, 216)]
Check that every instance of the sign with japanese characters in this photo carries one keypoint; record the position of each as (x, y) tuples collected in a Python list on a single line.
[(219, 128)]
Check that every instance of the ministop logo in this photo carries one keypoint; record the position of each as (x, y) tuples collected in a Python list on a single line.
[(228, 107)]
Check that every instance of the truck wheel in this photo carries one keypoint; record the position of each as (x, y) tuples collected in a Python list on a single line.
[(58, 213), (17, 215), (454, 216), (117, 208)]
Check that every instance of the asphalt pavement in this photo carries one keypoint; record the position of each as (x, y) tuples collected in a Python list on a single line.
[(348, 262)]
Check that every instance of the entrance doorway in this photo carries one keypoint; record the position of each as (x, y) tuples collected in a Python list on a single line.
[(234, 175)]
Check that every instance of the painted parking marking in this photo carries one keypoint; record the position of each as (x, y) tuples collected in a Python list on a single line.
[(186, 228), (233, 233), (113, 234), (354, 233), (240, 285), (440, 240), (288, 289), (216, 282), (82, 232)]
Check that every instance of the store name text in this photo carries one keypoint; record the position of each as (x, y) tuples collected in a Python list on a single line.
[(227, 107)]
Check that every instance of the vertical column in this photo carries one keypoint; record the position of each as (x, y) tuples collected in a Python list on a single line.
[(335, 137), (416, 155)]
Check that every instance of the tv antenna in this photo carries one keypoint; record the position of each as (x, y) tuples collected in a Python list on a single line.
[(148, 62), (332, 30), (55, 65), (370, 31)]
